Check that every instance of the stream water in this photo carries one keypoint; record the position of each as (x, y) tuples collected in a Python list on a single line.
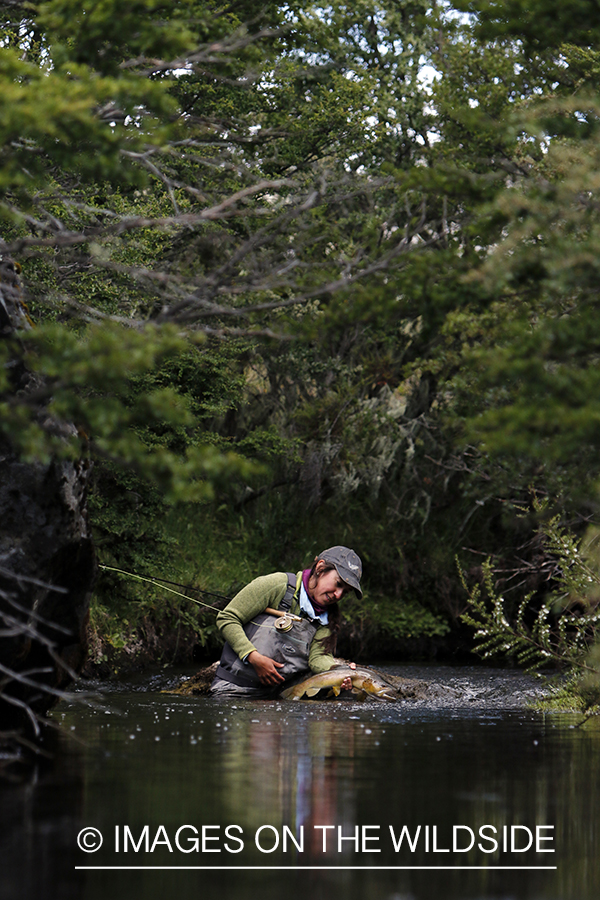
[(466, 794)]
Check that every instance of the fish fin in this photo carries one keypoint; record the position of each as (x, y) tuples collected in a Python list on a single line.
[(290, 693), (385, 694), (312, 691), (335, 690)]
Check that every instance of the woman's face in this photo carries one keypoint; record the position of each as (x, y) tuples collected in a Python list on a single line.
[(329, 588)]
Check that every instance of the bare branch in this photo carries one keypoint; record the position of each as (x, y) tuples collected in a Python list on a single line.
[(214, 54), (193, 307), (226, 207)]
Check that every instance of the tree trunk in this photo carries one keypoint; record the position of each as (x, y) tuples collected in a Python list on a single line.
[(47, 562)]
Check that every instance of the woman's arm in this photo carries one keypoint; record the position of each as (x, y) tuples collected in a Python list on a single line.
[(318, 660), (268, 590)]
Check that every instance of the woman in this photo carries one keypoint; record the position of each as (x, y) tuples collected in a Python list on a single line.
[(260, 655)]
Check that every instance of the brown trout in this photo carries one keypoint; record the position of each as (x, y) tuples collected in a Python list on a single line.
[(365, 683)]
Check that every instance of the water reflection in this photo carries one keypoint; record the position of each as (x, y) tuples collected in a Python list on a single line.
[(310, 771), (38, 804), (290, 771)]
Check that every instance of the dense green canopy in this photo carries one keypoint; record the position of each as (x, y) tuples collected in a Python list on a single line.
[(304, 275)]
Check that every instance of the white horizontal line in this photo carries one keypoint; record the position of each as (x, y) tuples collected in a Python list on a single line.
[(315, 868)]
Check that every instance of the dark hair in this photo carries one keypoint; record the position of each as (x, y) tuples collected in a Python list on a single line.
[(333, 611)]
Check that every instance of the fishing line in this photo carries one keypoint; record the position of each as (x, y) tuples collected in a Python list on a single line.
[(164, 587), (162, 583), (200, 590)]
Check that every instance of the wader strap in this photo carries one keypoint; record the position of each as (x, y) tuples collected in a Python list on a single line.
[(232, 669), (286, 602)]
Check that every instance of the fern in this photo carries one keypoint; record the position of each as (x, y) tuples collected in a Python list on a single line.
[(564, 629)]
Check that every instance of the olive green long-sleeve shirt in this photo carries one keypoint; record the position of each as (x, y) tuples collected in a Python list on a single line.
[(268, 590)]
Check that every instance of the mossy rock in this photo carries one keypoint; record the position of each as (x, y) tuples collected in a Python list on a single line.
[(198, 684)]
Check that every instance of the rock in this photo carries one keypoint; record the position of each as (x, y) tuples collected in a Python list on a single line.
[(198, 684)]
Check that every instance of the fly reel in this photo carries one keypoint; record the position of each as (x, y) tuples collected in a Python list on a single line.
[(284, 623)]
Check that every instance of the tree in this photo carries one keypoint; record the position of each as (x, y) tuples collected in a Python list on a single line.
[(268, 233), (525, 353), (162, 182), (47, 556)]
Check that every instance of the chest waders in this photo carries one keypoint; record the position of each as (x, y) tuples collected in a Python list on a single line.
[(288, 647)]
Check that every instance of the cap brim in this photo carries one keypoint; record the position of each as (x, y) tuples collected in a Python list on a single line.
[(350, 579)]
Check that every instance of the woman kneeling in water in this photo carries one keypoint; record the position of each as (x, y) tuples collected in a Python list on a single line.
[(264, 650)]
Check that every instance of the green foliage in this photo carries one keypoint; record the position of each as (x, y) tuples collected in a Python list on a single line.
[(383, 625), (85, 32), (94, 380), (50, 116), (564, 627), (540, 22), (277, 270)]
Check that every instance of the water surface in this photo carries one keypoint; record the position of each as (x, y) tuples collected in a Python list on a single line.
[(266, 783)]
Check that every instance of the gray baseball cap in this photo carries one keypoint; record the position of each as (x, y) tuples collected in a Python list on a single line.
[(348, 565)]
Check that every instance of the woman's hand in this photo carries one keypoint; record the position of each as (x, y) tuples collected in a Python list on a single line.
[(265, 668), (346, 684)]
